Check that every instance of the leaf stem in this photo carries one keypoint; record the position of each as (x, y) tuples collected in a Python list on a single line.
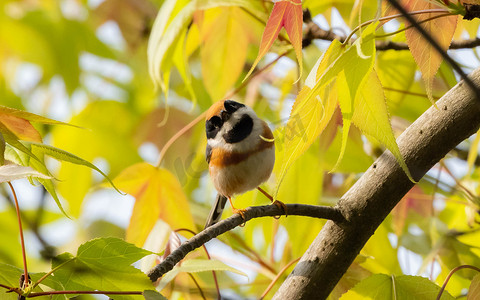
[(270, 286), (411, 26), (248, 79), (388, 18), (176, 136), (214, 274), (22, 241), (409, 93), (451, 274), (11, 289), (198, 286), (85, 293), (51, 272)]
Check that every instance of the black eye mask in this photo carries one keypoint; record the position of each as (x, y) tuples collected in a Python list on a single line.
[(240, 130), (212, 126)]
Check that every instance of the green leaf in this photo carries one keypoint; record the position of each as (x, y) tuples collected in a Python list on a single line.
[(153, 295), (63, 155), (381, 286), (352, 68), (310, 114), (48, 185), (22, 158), (372, 118), (10, 276), (103, 264), (111, 253), (453, 253), (195, 266)]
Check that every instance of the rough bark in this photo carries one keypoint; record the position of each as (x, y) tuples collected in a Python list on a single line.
[(377, 192)]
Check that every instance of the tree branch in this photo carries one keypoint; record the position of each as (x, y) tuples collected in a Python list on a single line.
[(314, 32), (380, 188), (322, 212)]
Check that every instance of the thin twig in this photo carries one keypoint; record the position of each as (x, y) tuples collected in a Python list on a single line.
[(451, 274), (270, 286), (314, 32), (198, 286), (388, 18), (323, 212), (22, 241), (33, 225), (176, 136), (11, 289), (214, 274), (409, 93), (85, 293)]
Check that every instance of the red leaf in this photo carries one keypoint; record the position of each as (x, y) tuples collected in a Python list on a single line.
[(288, 14)]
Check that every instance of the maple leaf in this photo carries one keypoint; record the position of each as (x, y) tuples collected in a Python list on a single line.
[(158, 194), (441, 29), (286, 14)]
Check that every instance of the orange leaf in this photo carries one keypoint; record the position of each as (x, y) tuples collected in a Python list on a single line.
[(158, 195), (293, 25), (288, 14), (441, 29), (21, 128)]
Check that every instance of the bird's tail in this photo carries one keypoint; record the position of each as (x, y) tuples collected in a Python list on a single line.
[(216, 211)]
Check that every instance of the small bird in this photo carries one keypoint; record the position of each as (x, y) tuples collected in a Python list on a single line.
[(240, 153)]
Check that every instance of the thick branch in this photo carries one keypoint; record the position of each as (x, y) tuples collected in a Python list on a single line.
[(377, 192), (323, 212)]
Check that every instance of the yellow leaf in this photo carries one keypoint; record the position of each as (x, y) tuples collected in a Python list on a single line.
[(351, 69), (346, 106), (371, 117), (310, 115), (225, 40), (158, 195)]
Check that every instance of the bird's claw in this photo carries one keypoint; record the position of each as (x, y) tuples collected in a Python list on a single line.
[(241, 212), (282, 206)]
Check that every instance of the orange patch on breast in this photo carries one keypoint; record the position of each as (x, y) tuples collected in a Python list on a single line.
[(222, 158)]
